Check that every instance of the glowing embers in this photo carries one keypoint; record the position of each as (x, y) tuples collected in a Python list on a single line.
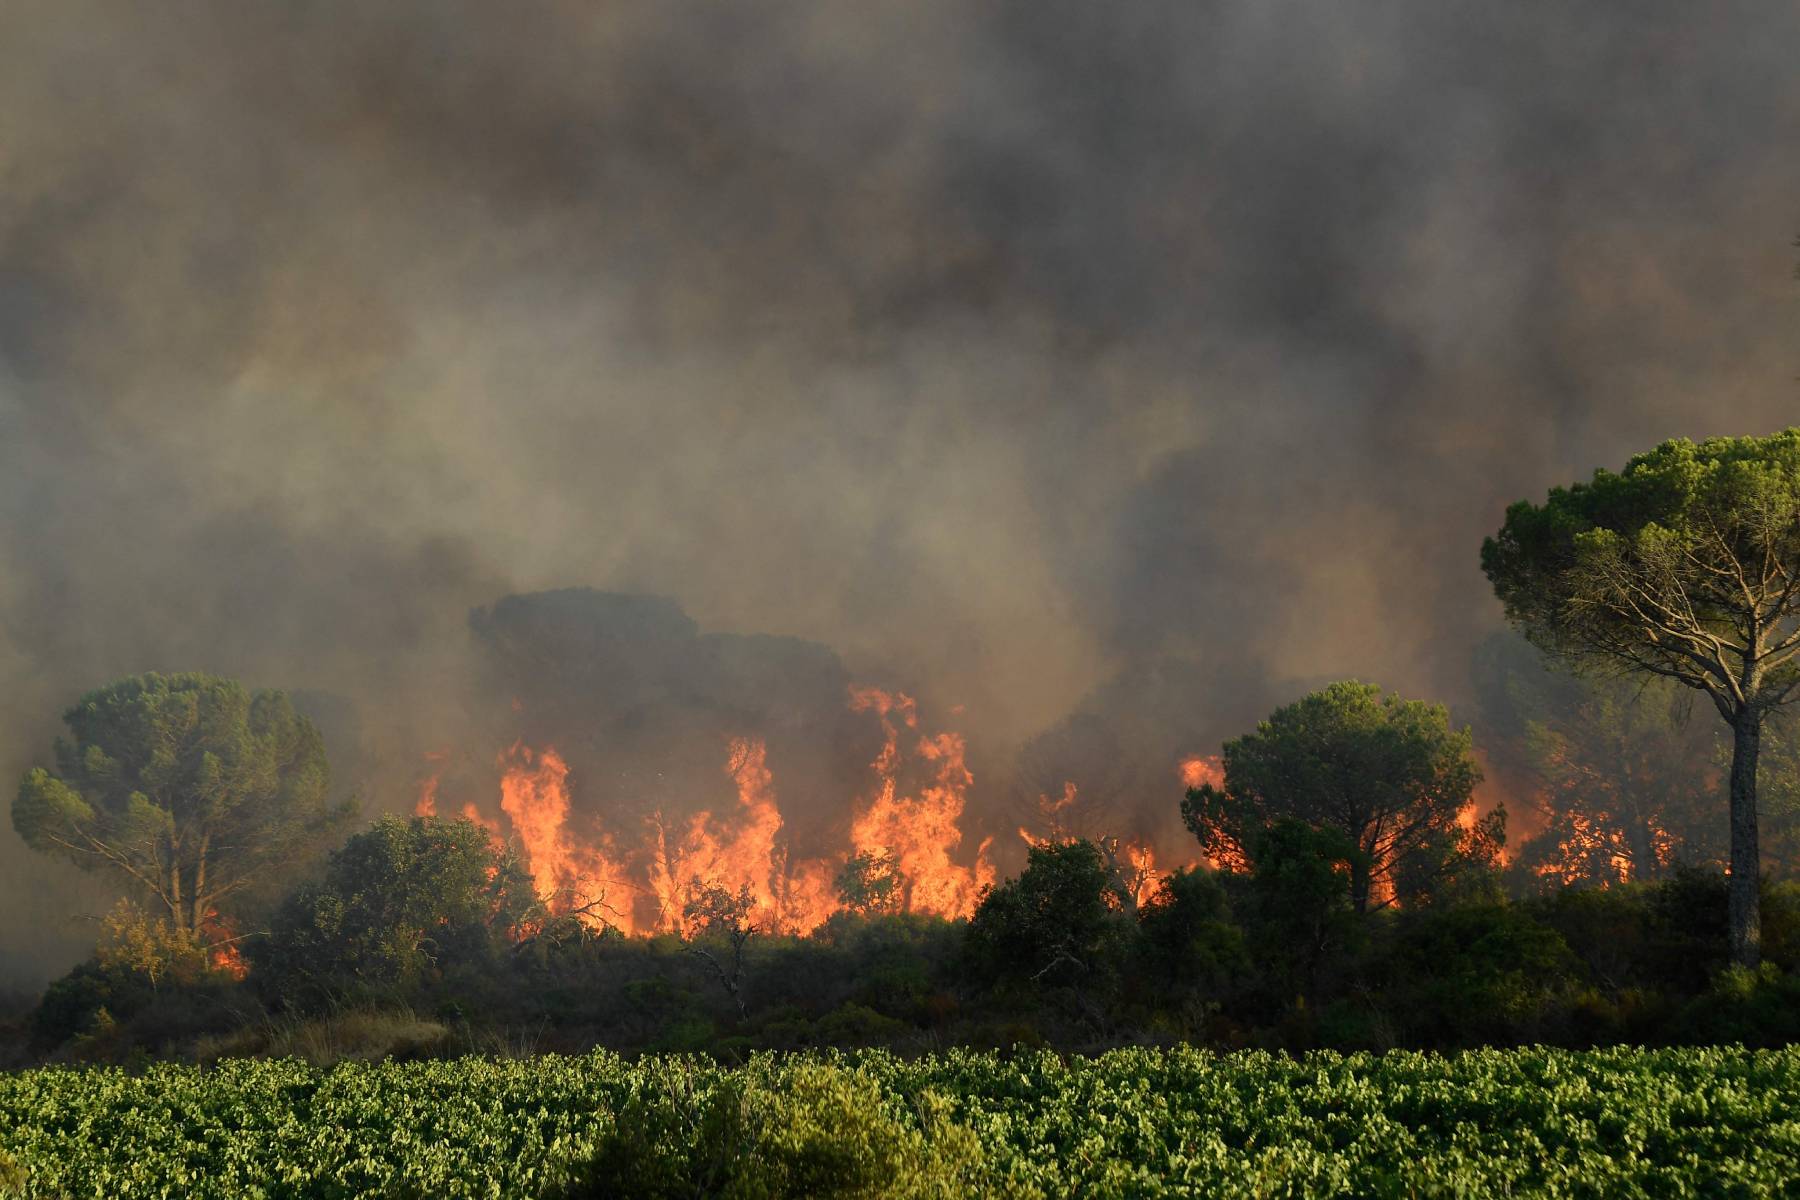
[(222, 953)]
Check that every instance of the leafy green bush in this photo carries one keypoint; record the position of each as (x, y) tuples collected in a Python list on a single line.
[(1476, 974), (1760, 1007), (399, 904), (807, 1129)]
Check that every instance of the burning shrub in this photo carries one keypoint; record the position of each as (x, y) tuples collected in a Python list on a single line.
[(1392, 776)]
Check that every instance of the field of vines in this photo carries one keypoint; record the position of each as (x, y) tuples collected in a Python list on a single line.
[(1535, 1122)]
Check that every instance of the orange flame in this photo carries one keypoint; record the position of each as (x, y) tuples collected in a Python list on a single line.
[(919, 832), (1199, 770), (534, 795), (222, 953), (1142, 876), (1589, 851), (644, 888), (229, 960), (1203, 770), (746, 858), (1133, 862)]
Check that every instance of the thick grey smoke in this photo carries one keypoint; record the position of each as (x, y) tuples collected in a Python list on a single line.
[(1049, 356)]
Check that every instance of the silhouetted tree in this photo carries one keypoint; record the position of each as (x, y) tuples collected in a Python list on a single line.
[(716, 926), (1190, 941), (871, 884), (1388, 774), (1060, 923), (1073, 779), (1624, 783), (1298, 909)]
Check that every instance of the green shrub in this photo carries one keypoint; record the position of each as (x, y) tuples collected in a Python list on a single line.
[(805, 1130), (1781, 924), (1477, 974), (1759, 1007)]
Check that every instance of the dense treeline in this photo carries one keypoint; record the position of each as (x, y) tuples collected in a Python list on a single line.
[(1355, 903), (1275, 956)]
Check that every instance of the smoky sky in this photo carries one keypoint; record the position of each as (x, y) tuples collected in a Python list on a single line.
[(1017, 351)]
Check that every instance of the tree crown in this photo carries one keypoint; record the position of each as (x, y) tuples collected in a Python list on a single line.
[(1389, 774), (186, 784), (1685, 564)]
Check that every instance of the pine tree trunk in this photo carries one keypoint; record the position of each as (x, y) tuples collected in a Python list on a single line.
[(1361, 882), (1746, 914)]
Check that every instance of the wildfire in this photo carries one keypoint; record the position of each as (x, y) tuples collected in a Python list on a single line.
[(1133, 860), (746, 858), (642, 885), (1133, 863), (918, 832), (228, 959), (534, 795), (1209, 771), (426, 805), (1594, 850), (1197, 771), (222, 953)]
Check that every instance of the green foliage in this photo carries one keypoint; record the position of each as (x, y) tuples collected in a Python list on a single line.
[(1781, 924), (132, 942), (185, 786), (1758, 1005), (1663, 566), (1669, 937), (361, 1034), (800, 1130), (1388, 774), (716, 926), (1683, 566), (1477, 974), (1059, 924), (870, 883), (1777, 793), (399, 903), (1297, 902), (1130, 1123), (715, 912), (1189, 941), (893, 963), (144, 971)]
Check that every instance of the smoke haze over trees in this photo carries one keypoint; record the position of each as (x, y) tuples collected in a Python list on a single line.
[(1152, 364)]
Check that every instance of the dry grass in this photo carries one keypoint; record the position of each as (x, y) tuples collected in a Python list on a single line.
[(360, 1035)]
